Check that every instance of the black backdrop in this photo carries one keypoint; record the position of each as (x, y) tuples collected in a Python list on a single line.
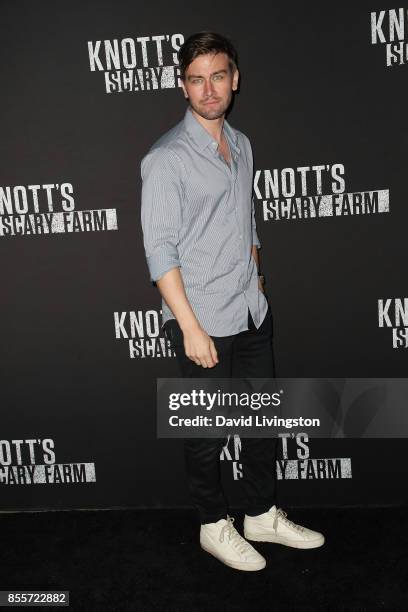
[(314, 91)]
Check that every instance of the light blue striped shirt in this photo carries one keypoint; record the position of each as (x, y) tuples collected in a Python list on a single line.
[(198, 214)]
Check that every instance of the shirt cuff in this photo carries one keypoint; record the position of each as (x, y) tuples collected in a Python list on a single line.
[(162, 260)]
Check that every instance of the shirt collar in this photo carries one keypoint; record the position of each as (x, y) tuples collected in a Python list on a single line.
[(203, 138)]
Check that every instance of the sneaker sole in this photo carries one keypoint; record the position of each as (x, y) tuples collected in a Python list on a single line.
[(283, 541), (235, 564)]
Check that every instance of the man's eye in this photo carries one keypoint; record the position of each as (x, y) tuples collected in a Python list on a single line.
[(218, 76)]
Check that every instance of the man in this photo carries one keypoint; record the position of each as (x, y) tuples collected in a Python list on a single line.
[(201, 246)]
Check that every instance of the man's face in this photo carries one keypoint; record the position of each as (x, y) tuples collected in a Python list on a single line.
[(209, 84)]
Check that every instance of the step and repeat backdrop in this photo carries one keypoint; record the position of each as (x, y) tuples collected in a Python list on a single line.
[(87, 87)]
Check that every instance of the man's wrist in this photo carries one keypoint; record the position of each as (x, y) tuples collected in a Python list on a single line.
[(190, 326)]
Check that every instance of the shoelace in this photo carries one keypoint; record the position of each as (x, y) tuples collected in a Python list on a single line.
[(281, 514), (233, 536)]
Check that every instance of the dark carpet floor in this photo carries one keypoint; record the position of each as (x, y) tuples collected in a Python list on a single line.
[(151, 560)]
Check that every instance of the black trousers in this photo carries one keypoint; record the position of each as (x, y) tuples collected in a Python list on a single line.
[(248, 354)]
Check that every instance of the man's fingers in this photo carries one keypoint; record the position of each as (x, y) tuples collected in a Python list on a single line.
[(197, 360), (205, 361), (213, 351)]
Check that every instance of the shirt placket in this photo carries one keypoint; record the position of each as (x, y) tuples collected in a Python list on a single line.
[(240, 230), (232, 173)]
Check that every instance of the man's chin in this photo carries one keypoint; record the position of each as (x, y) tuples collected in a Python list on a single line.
[(210, 113)]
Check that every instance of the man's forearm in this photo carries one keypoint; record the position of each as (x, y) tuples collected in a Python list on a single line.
[(172, 289), (255, 255)]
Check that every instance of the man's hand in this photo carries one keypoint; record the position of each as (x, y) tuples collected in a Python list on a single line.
[(261, 280), (200, 348)]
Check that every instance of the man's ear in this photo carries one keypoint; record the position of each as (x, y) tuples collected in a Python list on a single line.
[(184, 90), (235, 79)]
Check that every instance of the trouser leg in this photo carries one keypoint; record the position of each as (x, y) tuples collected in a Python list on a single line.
[(253, 358), (202, 455)]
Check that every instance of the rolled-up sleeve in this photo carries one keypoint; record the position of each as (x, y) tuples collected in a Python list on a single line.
[(161, 209)]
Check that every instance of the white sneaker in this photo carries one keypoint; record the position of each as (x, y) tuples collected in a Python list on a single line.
[(223, 541), (273, 526)]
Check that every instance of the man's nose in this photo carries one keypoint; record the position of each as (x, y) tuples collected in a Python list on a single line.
[(208, 88)]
